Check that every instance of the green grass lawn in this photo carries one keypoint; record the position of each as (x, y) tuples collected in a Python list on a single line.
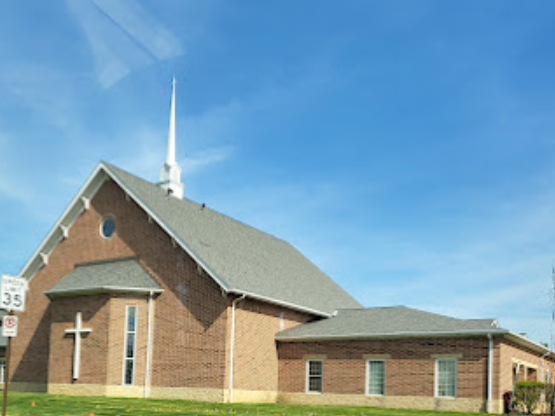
[(31, 404)]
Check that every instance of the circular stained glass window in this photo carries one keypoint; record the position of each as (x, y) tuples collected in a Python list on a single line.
[(108, 227)]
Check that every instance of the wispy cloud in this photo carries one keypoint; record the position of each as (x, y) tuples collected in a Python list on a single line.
[(198, 161), (123, 37), (10, 187), (34, 85), (146, 31)]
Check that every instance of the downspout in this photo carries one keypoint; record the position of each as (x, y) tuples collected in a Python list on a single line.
[(232, 345), (490, 374), (148, 345), (542, 365)]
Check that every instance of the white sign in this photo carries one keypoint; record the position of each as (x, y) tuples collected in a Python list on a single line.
[(9, 326), (12, 293)]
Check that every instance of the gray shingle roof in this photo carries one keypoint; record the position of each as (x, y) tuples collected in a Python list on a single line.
[(242, 258), (118, 275), (396, 321)]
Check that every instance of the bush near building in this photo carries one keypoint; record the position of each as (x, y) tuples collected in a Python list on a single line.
[(527, 395)]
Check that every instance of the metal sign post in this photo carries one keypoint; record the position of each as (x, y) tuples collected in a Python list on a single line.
[(12, 298), (7, 372)]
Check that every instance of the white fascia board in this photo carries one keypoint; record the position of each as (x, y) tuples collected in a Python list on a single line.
[(102, 289), (167, 229), (55, 235), (526, 342), (401, 334), (281, 303)]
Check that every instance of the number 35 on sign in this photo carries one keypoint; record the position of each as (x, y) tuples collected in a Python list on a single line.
[(12, 293)]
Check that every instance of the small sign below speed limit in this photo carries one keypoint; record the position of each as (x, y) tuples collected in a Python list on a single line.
[(12, 293), (9, 326)]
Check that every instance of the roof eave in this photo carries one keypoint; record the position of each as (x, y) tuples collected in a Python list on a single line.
[(56, 234), (281, 303), (525, 342), (102, 289), (354, 336)]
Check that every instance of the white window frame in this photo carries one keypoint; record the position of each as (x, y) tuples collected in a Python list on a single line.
[(367, 381), (125, 333), (307, 381), (436, 377)]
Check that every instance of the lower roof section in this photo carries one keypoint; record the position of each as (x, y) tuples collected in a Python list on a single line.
[(388, 322), (125, 275)]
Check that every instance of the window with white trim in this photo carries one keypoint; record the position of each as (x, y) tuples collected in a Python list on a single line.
[(446, 377), (130, 349), (375, 380), (314, 376)]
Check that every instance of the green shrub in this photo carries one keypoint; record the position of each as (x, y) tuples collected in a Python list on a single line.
[(550, 398), (527, 395)]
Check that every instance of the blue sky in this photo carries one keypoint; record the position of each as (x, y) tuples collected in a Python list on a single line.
[(405, 147)]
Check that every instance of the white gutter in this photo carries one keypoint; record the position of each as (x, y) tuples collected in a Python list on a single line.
[(281, 303), (490, 375), (101, 289), (148, 345), (232, 346), (400, 334), (519, 339)]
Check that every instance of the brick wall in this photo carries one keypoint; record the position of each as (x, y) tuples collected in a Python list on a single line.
[(190, 316), (409, 365), (256, 361), (94, 355), (509, 354), (116, 338)]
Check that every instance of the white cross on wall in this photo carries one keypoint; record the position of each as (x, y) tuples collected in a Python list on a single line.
[(78, 332)]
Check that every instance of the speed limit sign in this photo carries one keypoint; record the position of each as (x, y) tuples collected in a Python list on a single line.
[(12, 293)]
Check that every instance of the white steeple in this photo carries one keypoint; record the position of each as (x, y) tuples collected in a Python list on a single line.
[(170, 174)]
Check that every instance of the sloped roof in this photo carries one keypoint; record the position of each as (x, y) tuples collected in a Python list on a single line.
[(117, 275), (242, 259), (388, 322)]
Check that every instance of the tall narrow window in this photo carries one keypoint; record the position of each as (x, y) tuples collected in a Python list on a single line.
[(376, 377), (446, 377), (314, 375), (130, 345)]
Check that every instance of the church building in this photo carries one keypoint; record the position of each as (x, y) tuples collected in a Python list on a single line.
[(137, 291)]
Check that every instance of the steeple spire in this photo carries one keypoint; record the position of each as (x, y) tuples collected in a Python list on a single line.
[(170, 174)]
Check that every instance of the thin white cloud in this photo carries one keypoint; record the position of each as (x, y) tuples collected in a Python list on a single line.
[(123, 37), (34, 85), (132, 18), (201, 160), (147, 154), (11, 188)]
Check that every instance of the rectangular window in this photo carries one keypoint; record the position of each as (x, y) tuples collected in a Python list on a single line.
[(446, 377), (130, 348), (314, 376), (376, 377)]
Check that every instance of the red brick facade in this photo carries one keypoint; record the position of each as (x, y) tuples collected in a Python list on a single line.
[(190, 324)]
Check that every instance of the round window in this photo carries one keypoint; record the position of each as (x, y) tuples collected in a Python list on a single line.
[(108, 227)]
